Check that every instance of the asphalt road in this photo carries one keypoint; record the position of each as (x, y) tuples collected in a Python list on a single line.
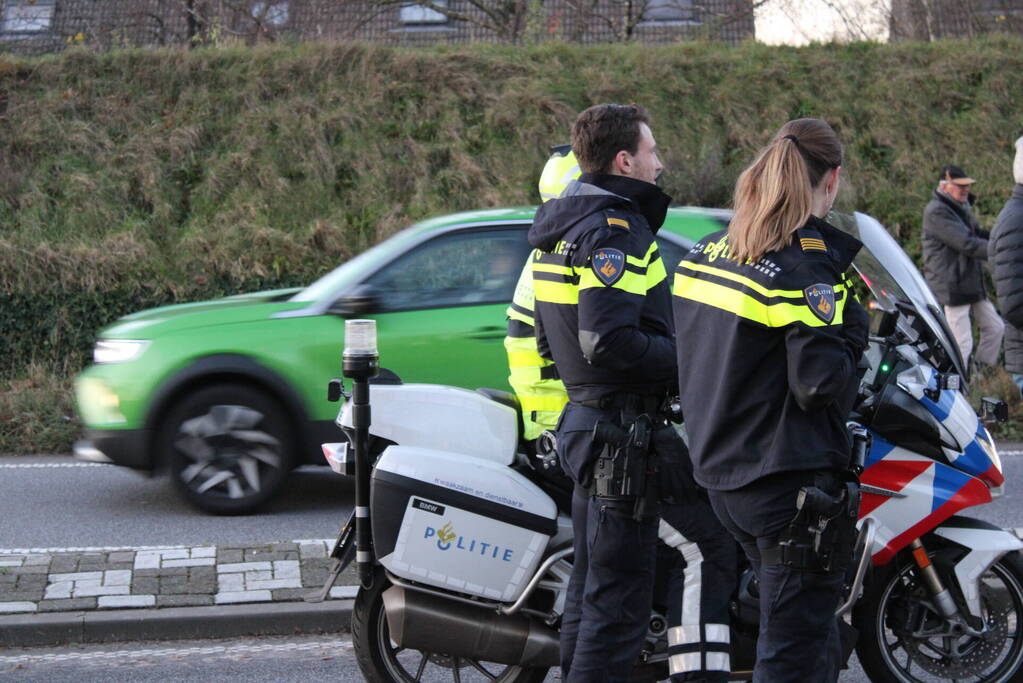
[(58, 502), (53, 502), (291, 659)]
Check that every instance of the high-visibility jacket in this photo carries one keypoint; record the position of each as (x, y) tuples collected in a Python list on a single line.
[(535, 379), (603, 306), (768, 376)]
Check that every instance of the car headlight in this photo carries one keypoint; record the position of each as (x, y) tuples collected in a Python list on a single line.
[(98, 404), (118, 350)]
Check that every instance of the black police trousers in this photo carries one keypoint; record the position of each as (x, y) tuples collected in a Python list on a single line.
[(799, 638), (610, 594)]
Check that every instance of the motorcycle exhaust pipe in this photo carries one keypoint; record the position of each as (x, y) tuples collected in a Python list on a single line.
[(426, 622)]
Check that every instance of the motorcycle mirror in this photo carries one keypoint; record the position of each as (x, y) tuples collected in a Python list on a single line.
[(886, 325), (994, 409)]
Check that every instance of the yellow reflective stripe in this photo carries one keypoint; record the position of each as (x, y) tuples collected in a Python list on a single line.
[(745, 306), (555, 292), (643, 262), (849, 287), (552, 402), (720, 296), (785, 314), (526, 379), (655, 273), (552, 268), (526, 359), (515, 315), (633, 283), (752, 284), (618, 221), (535, 421)]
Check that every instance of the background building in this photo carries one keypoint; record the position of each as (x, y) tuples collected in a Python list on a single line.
[(49, 25)]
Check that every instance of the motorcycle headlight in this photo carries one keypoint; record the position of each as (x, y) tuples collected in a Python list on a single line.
[(118, 350)]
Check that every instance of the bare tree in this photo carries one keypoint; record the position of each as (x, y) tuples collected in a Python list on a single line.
[(507, 20), (626, 20)]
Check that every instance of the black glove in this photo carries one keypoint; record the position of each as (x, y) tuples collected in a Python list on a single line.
[(856, 325), (676, 469)]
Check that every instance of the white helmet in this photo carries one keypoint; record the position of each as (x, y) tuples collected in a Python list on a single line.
[(561, 169)]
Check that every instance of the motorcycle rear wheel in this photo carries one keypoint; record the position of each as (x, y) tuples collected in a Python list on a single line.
[(900, 637), (382, 661)]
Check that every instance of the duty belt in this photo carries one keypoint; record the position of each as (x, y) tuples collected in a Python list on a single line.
[(651, 405)]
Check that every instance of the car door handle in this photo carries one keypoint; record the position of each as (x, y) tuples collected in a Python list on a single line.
[(488, 332)]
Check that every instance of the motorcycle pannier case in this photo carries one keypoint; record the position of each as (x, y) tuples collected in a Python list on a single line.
[(458, 522)]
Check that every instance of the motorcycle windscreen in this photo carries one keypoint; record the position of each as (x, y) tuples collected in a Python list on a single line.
[(894, 280)]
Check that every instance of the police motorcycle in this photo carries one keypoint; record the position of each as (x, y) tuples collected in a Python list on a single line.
[(463, 544)]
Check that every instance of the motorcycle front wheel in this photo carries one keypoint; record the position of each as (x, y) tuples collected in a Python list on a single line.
[(904, 640), (383, 661)]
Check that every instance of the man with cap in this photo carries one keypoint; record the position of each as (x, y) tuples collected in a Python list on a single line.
[(1005, 252), (954, 246)]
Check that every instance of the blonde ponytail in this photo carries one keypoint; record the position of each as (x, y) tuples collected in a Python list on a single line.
[(774, 195)]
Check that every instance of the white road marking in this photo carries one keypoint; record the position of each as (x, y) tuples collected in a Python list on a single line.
[(50, 465), (173, 652), (134, 548)]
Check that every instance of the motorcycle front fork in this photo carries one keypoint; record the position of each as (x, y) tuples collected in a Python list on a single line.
[(944, 602)]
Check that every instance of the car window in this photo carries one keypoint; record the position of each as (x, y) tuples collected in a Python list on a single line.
[(671, 252), (458, 269)]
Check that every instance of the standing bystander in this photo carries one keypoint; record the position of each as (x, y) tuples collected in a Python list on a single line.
[(1005, 253), (954, 246)]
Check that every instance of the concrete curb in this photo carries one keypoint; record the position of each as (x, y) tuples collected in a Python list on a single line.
[(174, 623)]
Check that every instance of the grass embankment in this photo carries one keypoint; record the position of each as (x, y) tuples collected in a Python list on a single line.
[(137, 178)]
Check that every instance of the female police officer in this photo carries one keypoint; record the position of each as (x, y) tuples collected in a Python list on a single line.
[(767, 384)]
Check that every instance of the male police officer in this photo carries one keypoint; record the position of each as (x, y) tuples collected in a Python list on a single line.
[(603, 315), (696, 558)]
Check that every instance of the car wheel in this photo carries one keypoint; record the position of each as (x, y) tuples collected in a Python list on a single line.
[(229, 447)]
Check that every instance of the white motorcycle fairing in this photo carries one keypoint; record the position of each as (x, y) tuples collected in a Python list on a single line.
[(442, 418), (986, 543)]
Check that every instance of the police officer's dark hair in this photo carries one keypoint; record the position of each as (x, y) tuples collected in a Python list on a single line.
[(602, 131), (774, 195)]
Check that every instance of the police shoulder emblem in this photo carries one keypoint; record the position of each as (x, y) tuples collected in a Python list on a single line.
[(608, 264), (821, 298)]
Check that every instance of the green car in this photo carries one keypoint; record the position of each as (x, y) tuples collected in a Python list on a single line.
[(229, 395)]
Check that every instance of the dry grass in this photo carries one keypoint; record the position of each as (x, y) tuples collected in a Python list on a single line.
[(37, 414)]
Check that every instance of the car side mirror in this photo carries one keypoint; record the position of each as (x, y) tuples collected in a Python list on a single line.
[(359, 301)]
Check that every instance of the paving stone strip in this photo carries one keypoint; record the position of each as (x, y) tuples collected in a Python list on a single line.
[(75, 579)]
